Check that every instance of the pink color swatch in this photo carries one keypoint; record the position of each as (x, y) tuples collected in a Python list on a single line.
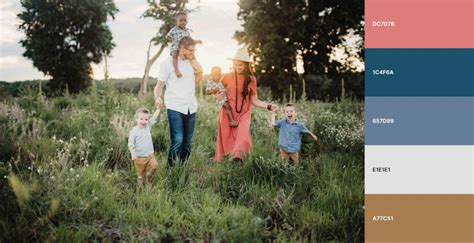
[(419, 23)]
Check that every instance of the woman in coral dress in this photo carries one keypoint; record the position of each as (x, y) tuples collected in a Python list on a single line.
[(241, 87)]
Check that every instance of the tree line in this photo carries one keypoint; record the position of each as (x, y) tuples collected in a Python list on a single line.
[(64, 37)]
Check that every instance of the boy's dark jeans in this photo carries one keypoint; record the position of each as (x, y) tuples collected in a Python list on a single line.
[(181, 133)]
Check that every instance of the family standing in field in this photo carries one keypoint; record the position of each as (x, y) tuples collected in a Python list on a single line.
[(235, 92)]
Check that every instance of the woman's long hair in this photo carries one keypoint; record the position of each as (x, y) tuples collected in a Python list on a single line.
[(247, 80)]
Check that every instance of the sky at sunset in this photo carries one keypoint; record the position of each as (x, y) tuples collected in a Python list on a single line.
[(214, 23)]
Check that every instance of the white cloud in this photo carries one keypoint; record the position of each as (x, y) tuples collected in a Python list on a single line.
[(9, 35), (14, 68), (130, 14), (6, 4), (9, 61), (9, 32)]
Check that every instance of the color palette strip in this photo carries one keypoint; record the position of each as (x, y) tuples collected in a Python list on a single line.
[(419, 153)]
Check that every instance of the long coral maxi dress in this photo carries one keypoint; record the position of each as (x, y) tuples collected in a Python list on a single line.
[(235, 141)]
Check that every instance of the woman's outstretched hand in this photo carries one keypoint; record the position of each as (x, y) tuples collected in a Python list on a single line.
[(274, 108)]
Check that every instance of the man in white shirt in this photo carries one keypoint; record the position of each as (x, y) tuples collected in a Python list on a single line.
[(180, 100)]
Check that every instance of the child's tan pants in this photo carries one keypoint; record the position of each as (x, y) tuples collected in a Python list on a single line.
[(287, 156), (146, 166)]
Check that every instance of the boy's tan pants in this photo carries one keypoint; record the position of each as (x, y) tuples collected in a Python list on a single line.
[(146, 166), (290, 156)]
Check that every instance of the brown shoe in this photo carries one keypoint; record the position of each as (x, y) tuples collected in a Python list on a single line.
[(238, 161)]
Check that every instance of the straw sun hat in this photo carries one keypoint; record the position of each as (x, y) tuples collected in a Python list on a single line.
[(241, 55)]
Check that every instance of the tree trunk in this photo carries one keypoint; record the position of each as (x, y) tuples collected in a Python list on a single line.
[(106, 68), (149, 63), (343, 90)]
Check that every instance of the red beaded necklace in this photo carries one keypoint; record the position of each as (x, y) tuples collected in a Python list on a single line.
[(237, 95)]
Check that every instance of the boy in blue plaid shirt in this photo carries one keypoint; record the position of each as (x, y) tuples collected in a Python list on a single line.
[(291, 129)]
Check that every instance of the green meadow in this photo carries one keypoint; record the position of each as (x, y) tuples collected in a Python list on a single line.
[(66, 175)]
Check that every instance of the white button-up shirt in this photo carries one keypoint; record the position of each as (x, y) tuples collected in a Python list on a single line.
[(180, 94)]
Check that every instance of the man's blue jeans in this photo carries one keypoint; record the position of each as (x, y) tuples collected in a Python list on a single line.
[(181, 133)]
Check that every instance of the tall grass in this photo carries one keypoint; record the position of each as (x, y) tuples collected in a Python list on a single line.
[(66, 175)]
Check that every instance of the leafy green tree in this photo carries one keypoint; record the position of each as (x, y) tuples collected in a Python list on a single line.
[(278, 32), (327, 23), (63, 38), (271, 29)]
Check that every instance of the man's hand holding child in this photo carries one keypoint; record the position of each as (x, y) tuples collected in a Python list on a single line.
[(158, 102)]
